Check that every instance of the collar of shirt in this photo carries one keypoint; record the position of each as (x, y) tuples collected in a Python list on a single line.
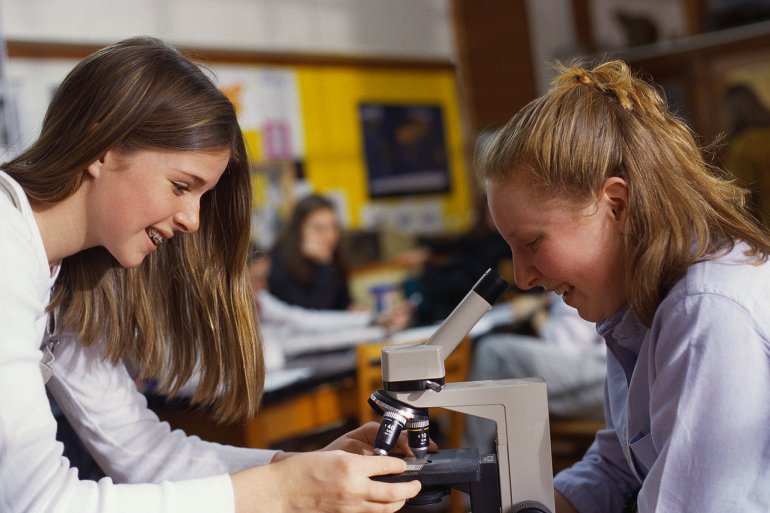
[(623, 333)]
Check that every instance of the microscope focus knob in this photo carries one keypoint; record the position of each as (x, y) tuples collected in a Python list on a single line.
[(530, 507)]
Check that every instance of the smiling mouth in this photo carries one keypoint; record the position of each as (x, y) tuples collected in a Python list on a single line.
[(155, 237)]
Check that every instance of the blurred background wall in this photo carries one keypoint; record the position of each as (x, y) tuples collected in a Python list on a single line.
[(299, 71)]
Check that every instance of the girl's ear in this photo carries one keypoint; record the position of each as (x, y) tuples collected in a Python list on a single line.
[(94, 169), (615, 193)]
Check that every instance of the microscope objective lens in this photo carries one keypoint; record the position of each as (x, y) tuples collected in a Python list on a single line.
[(418, 436), (390, 429)]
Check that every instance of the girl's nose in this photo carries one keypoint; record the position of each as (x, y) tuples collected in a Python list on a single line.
[(525, 274), (188, 219)]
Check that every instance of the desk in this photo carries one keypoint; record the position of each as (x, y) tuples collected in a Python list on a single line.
[(323, 398), (332, 392)]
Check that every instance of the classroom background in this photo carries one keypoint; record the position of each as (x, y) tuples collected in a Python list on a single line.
[(323, 87), (378, 106)]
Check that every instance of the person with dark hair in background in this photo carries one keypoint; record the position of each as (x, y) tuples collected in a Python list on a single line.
[(307, 266), (748, 156), (289, 330), (125, 230)]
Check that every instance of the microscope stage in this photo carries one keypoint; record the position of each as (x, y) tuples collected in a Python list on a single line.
[(446, 467)]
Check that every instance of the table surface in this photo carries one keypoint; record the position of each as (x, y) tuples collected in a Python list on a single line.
[(315, 369), (321, 367)]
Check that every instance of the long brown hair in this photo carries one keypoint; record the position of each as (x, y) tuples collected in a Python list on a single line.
[(602, 122), (189, 304)]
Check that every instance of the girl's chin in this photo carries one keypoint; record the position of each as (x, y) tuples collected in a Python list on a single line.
[(584, 311), (130, 261), (322, 260), (131, 264), (591, 314)]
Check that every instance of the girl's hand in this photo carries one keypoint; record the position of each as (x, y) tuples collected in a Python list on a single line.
[(322, 482), (396, 318), (525, 306)]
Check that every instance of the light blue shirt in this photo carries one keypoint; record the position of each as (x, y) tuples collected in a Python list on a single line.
[(688, 400)]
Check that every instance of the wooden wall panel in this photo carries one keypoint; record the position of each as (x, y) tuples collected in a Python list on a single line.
[(494, 59)]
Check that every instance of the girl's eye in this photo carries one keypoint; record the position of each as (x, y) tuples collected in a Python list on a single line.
[(533, 244), (181, 187)]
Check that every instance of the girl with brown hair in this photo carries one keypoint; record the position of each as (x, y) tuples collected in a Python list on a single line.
[(606, 199), (125, 233)]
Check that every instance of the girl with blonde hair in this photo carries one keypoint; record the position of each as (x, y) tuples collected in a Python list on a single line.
[(606, 199), (125, 233)]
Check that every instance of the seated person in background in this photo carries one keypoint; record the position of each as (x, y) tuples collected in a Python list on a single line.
[(565, 351), (307, 267), (288, 330)]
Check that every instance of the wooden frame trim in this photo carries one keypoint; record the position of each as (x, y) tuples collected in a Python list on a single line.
[(60, 50)]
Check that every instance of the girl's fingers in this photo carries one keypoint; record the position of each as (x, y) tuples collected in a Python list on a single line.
[(382, 465), (392, 492)]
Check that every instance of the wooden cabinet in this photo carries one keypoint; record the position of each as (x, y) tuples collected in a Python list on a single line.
[(694, 68)]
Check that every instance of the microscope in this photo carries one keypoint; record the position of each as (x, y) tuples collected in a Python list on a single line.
[(518, 477)]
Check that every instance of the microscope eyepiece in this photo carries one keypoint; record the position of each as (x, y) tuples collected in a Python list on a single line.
[(490, 286)]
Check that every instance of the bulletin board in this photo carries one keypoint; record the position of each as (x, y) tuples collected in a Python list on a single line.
[(334, 145), (311, 115), (301, 116)]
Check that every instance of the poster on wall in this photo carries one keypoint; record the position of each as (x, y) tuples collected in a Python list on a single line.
[(267, 102), (405, 149)]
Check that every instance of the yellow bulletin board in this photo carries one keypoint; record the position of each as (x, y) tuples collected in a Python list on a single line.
[(333, 143)]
